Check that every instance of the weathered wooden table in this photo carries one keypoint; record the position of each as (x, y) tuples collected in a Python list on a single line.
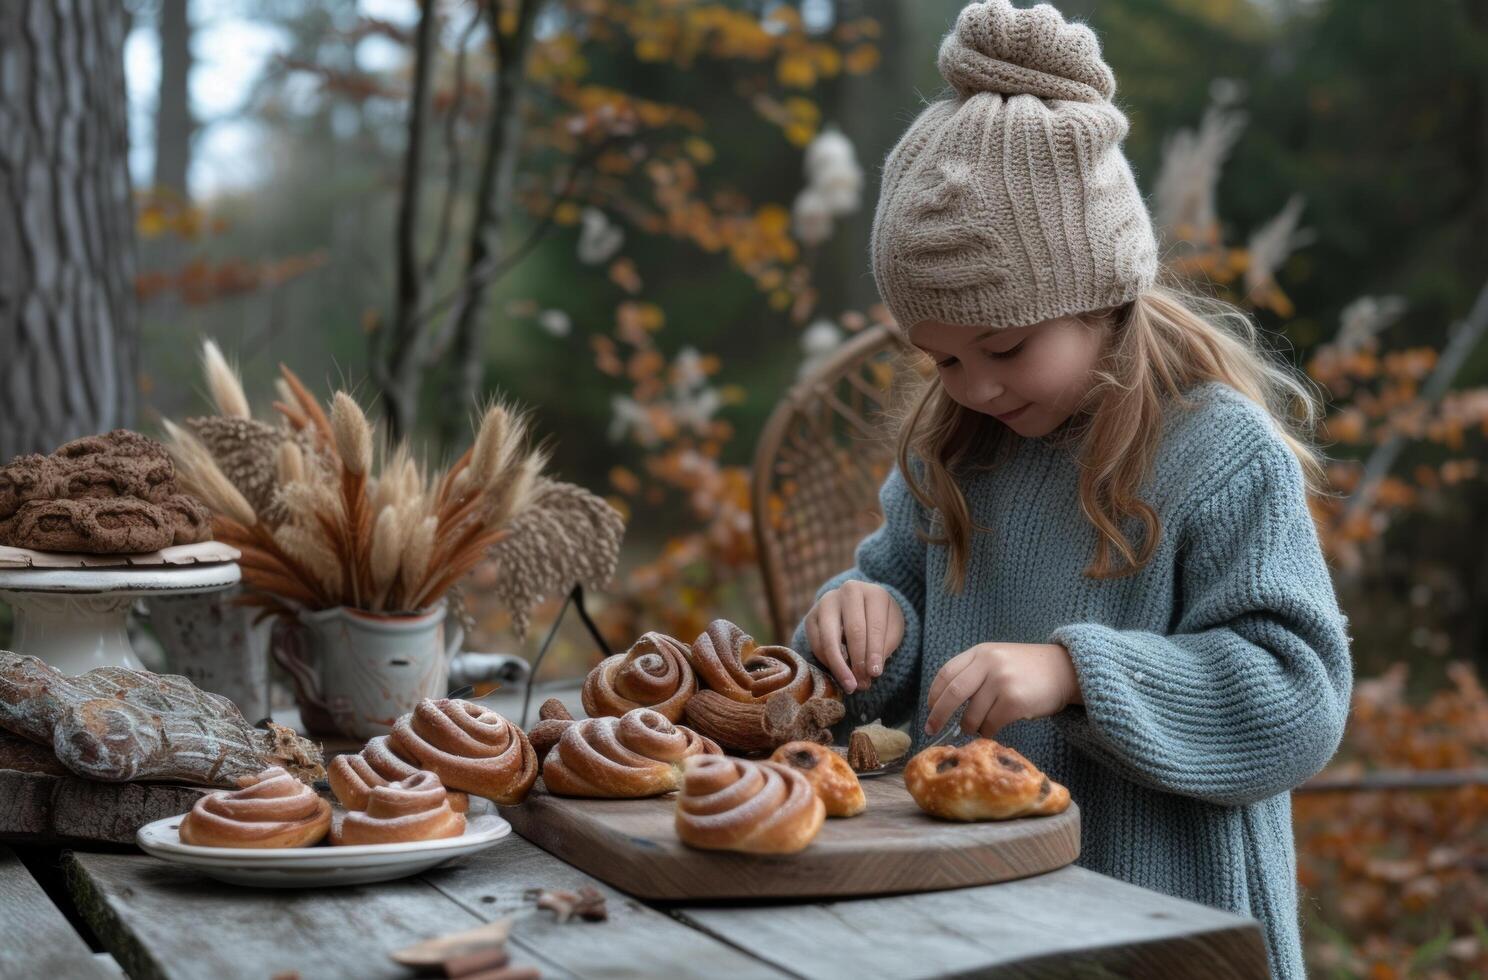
[(159, 920)]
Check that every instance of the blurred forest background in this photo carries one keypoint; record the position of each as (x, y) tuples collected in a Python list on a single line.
[(643, 220)]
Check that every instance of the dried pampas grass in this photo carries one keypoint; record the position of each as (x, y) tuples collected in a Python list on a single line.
[(224, 384), (387, 538), (326, 514)]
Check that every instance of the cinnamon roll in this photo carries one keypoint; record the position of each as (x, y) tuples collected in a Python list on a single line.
[(653, 673), (469, 747), (353, 776), (629, 757), (272, 809), (727, 660), (731, 804), (416, 808)]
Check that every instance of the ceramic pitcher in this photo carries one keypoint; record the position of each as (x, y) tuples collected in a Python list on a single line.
[(356, 672), (217, 644)]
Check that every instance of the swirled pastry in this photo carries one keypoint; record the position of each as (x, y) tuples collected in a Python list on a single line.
[(653, 673), (469, 747), (354, 775), (272, 809), (727, 660), (416, 808), (636, 755), (731, 804), (981, 781), (828, 773)]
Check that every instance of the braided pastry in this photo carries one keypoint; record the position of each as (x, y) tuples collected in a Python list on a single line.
[(469, 747), (416, 808), (272, 809), (27, 478), (756, 807), (96, 525), (653, 673), (638, 754), (981, 781), (190, 521), (828, 773), (727, 660), (353, 776)]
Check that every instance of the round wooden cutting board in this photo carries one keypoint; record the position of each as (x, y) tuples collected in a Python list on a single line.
[(893, 847)]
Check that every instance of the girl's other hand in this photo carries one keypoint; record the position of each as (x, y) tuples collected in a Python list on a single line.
[(1002, 683), (852, 630)]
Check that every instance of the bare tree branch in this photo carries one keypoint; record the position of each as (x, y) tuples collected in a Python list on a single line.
[(493, 197), (400, 401), (495, 266), (451, 152)]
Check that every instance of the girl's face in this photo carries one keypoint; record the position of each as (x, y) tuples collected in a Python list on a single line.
[(1031, 379)]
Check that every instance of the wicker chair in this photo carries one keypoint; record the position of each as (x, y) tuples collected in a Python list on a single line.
[(821, 459)]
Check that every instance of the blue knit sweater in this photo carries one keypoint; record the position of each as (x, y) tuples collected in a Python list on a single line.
[(1215, 679)]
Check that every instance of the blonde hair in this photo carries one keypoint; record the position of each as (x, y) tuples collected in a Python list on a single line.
[(1156, 348)]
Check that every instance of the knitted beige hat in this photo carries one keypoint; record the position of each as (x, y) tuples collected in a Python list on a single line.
[(1010, 202)]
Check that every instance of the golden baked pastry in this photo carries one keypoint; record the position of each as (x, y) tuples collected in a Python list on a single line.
[(828, 773), (469, 747), (353, 775), (416, 808), (637, 755), (272, 809), (107, 494), (727, 660), (654, 673), (981, 781), (729, 804)]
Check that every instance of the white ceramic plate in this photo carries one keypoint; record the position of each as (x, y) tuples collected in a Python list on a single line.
[(318, 867)]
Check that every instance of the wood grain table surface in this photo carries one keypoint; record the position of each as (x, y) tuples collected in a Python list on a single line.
[(160, 920)]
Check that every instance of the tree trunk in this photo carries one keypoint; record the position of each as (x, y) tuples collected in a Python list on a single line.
[(67, 305), (173, 122), (398, 372), (493, 208)]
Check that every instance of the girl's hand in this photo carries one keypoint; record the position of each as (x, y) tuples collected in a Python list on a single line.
[(1001, 683), (864, 618)]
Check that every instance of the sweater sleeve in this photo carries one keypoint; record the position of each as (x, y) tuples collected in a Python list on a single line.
[(893, 557), (1248, 695)]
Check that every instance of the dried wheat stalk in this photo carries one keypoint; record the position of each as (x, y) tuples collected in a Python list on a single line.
[(324, 519), (389, 538)]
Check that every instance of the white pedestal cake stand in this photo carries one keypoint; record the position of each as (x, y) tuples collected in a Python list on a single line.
[(75, 618)]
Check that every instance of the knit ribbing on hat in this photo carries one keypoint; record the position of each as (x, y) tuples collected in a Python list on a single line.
[(1011, 202)]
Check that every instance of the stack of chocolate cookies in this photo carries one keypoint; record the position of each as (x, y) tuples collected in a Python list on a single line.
[(102, 495)]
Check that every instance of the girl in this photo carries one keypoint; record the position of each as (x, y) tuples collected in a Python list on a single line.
[(1096, 543)]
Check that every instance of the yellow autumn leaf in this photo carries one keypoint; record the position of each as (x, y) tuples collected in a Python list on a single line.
[(700, 150), (773, 220), (795, 70), (828, 60), (151, 223), (651, 49), (566, 213), (802, 110), (799, 134), (862, 59)]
